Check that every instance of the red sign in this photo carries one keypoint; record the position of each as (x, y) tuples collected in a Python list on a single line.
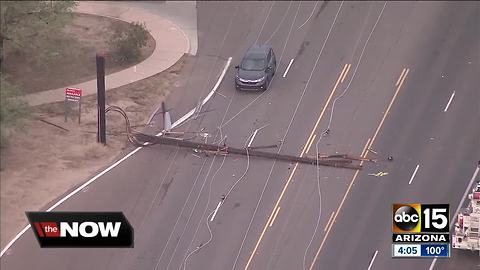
[(73, 94)]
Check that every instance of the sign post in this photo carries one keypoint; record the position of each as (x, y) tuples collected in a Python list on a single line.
[(73, 95)]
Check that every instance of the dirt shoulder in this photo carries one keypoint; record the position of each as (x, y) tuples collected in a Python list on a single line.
[(42, 162), (85, 35)]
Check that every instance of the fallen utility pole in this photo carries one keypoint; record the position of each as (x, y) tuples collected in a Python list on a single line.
[(217, 149)]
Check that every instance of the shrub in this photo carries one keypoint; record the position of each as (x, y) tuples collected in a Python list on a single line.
[(12, 109), (127, 42)]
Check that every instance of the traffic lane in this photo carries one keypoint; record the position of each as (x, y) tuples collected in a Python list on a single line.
[(232, 217), (435, 75), (188, 234), (227, 92), (382, 237), (272, 106), (370, 231), (394, 134), (167, 219), (342, 114), (229, 136), (190, 127), (294, 233), (289, 87), (443, 144), (300, 129), (198, 127)]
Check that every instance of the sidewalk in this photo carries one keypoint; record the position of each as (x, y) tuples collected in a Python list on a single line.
[(171, 44)]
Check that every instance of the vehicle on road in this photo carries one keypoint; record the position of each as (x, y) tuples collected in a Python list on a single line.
[(256, 69), (467, 225)]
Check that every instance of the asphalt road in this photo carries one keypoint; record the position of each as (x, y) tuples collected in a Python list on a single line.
[(404, 57)]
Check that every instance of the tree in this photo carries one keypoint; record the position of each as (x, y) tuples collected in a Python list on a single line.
[(12, 109), (29, 25), (127, 42)]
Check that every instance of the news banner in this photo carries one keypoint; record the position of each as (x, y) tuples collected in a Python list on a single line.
[(420, 230)]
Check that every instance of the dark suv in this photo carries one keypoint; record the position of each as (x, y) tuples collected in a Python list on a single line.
[(256, 69)]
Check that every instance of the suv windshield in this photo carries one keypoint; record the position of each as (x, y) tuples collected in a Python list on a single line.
[(256, 64)]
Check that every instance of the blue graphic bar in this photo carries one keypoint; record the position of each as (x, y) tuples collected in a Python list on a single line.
[(435, 250)]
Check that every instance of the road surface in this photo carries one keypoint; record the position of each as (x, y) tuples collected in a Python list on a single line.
[(390, 68)]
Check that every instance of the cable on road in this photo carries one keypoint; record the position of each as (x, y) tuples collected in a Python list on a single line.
[(319, 203), (189, 124), (326, 132), (311, 14), (211, 70), (264, 22), (244, 173), (224, 197), (355, 70), (178, 218), (276, 68), (279, 24), (207, 219), (219, 131), (286, 132)]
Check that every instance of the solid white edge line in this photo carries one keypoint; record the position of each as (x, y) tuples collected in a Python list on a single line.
[(177, 123), (458, 208), (207, 98), (216, 210), (373, 259), (288, 68), (449, 101), (414, 173)]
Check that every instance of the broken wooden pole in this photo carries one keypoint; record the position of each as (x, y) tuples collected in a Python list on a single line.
[(246, 152)]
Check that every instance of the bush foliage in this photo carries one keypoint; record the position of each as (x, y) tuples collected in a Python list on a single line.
[(12, 109), (127, 42)]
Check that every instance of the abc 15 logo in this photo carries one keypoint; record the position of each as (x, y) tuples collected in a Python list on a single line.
[(420, 218)]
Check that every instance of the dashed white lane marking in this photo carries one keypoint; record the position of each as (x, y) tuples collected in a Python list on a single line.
[(414, 173), (253, 137), (373, 259), (177, 123), (216, 210), (449, 101), (288, 68)]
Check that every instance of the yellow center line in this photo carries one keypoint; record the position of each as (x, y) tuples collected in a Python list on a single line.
[(345, 75), (400, 77), (252, 254), (389, 106), (368, 145), (340, 206), (311, 142), (329, 219), (274, 217)]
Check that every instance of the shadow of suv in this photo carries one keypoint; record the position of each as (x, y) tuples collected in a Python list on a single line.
[(257, 68)]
